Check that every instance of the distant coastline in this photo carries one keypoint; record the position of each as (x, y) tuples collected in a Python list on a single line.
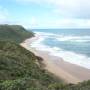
[(69, 72)]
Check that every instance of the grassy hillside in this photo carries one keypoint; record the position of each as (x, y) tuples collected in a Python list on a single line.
[(14, 33), (19, 69)]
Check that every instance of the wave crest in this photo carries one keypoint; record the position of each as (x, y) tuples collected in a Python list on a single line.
[(67, 56)]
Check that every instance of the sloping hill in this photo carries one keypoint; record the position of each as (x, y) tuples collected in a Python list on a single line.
[(19, 69), (18, 65), (14, 33)]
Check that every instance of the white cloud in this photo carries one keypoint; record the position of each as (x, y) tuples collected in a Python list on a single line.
[(71, 13), (66, 8), (60, 23), (31, 22), (65, 23)]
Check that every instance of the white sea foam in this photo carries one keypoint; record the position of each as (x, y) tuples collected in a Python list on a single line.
[(63, 37), (73, 58), (74, 38), (67, 56)]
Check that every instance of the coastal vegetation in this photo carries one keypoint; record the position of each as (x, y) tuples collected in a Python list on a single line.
[(14, 33), (19, 69)]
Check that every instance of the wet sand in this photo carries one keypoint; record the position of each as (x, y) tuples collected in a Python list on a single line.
[(71, 73)]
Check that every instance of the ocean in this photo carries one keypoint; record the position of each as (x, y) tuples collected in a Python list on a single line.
[(73, 45)]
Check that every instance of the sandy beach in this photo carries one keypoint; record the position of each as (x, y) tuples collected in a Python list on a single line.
[(71, 73)]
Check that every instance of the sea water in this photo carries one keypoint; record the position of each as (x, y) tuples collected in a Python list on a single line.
[(73, 45)]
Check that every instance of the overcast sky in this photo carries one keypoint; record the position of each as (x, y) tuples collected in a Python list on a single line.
[(46, 13)]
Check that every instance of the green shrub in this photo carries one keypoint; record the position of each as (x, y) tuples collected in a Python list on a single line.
[(14, 33)]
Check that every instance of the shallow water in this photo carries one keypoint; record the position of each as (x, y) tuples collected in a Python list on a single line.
[(72, 45)]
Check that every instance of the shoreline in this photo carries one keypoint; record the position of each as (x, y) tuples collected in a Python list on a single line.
[(70, 73)]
